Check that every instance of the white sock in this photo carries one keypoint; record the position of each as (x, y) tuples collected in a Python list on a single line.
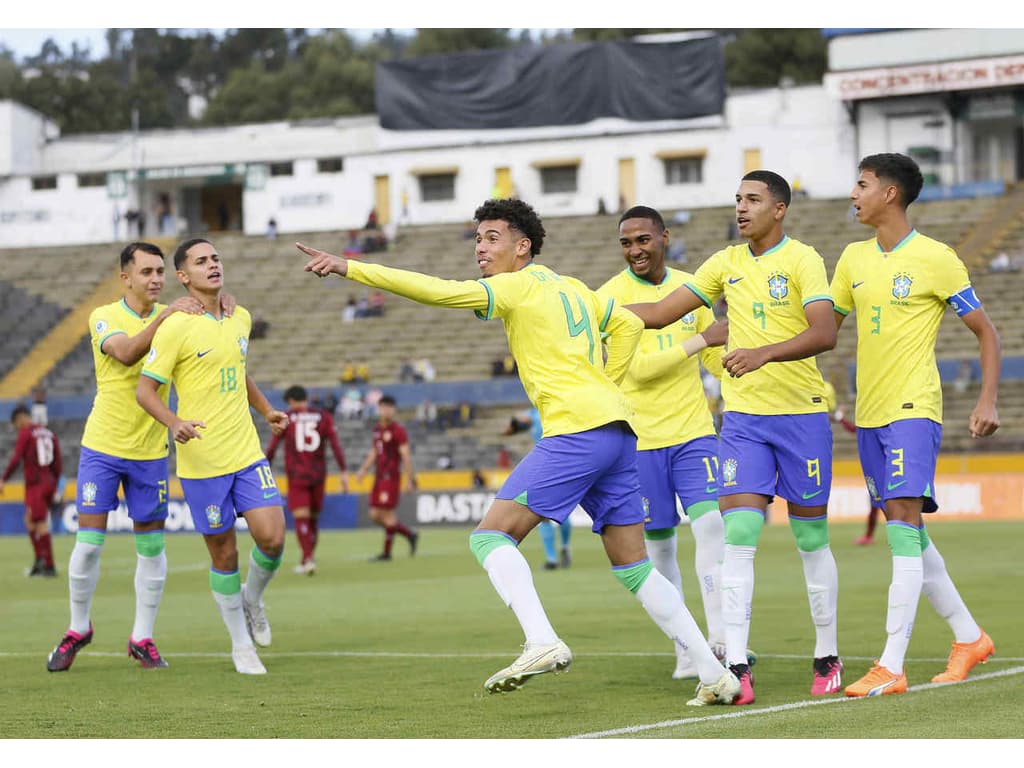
[(510, 574), (904, 592), (737, 596), (709, 534), (822, 580), (230, 607), (663, 556), (150, 576), (256, 580), (664, 604), (938, 587), (83, 576)]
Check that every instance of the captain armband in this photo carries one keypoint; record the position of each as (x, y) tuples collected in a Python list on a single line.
[(964, 302)]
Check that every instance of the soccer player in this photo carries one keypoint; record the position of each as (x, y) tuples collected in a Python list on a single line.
[(531, 420), (392, 460), (305, 463), (587, 455), (899, 283), (39, 450), (222, 469), (123, 448), (677, 448), (776, 438)]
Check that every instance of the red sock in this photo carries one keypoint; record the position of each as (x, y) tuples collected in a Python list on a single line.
[(400, 528), (46, 549), (389, 538), (305, 538), (314, 531), (35, 545)]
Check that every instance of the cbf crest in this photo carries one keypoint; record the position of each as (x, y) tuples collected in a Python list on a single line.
[(872, 488), (689, 318), (243, 345), (647, 508), (88, 494), (729, 472), (901, 285), (213, 516), (778, 286)]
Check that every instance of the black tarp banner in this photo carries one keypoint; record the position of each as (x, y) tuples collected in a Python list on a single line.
[(563, 84)]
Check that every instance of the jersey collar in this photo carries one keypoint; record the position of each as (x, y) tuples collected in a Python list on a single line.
[(912, 234), (773, 249), (644, 281), (126, 308)]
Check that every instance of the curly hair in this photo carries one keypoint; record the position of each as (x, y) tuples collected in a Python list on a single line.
[(518, 215)]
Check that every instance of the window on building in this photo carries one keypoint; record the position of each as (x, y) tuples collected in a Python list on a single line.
[(330, 165), (558, 178), (44, 182), (437, 186), (281, 169), (684, 170), (92, 179)]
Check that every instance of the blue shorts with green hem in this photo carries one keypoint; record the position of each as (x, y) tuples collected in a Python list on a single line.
[(899, 460), (688, 470), (215, 502)]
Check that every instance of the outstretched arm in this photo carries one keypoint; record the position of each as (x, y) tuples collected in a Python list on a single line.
[(984, 419), (661, 313), (426, 289), (146, 395)]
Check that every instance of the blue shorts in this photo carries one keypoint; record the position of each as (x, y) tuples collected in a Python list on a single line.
[(688, 470), (899, 460), (595, 469), (788, 455), (215, 502), (144, 484)]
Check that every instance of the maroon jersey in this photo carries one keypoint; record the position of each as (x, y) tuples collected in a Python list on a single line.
[(386, 442), (37, 446), (305, 458)]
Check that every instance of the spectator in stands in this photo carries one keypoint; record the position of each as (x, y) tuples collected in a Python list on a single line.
[(376, 304), (479, 481), (407, 372), (426, 415), (348, 372), (445, 460), (677, 251), (353, 248), (351, 405), (330, 402), (370, 403), (504, 366), (349, 313), (259, 328), (371, 220), (40, 413), (165, 216), (602, 210), (1002, 262), (362, 307), (464, 414), (425, 369), (362, 373), (271, 233), (964, 377)]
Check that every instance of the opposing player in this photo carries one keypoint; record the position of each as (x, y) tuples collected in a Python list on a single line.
[(677, 448), (222, 469), (587, 455), (899, 283), (776, 438), (123, 448), (391, 458), (305, 463), (38, 449)]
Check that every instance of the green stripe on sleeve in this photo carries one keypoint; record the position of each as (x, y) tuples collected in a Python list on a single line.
[(490, 302), (700, 295)]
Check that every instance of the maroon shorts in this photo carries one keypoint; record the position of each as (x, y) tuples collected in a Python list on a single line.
[(385, 494), (309, 496), (38, 499)]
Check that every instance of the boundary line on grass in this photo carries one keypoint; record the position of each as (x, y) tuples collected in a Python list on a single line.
[(747, 712)]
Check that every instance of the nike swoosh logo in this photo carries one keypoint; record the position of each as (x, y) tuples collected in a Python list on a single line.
[(710, 488), (269, 495), (857, 285), (890, 486), (200, 354), (734, 280), (810, 495)]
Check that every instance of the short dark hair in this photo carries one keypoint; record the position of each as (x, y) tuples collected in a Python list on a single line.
[(778, 187), (900, 170), (296, 393), (518, 215), (128, 252), (386, 400), (19, 409), (181, 252), (643, 212)]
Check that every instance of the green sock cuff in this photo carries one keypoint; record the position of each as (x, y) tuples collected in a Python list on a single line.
[(743, 526), (660, 534), (225, 583), (150, 543), (904, 539), (90, 536), (482, 543), (926, 540), (696, 511), (264, 562), (811, 533), (633, 575)]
